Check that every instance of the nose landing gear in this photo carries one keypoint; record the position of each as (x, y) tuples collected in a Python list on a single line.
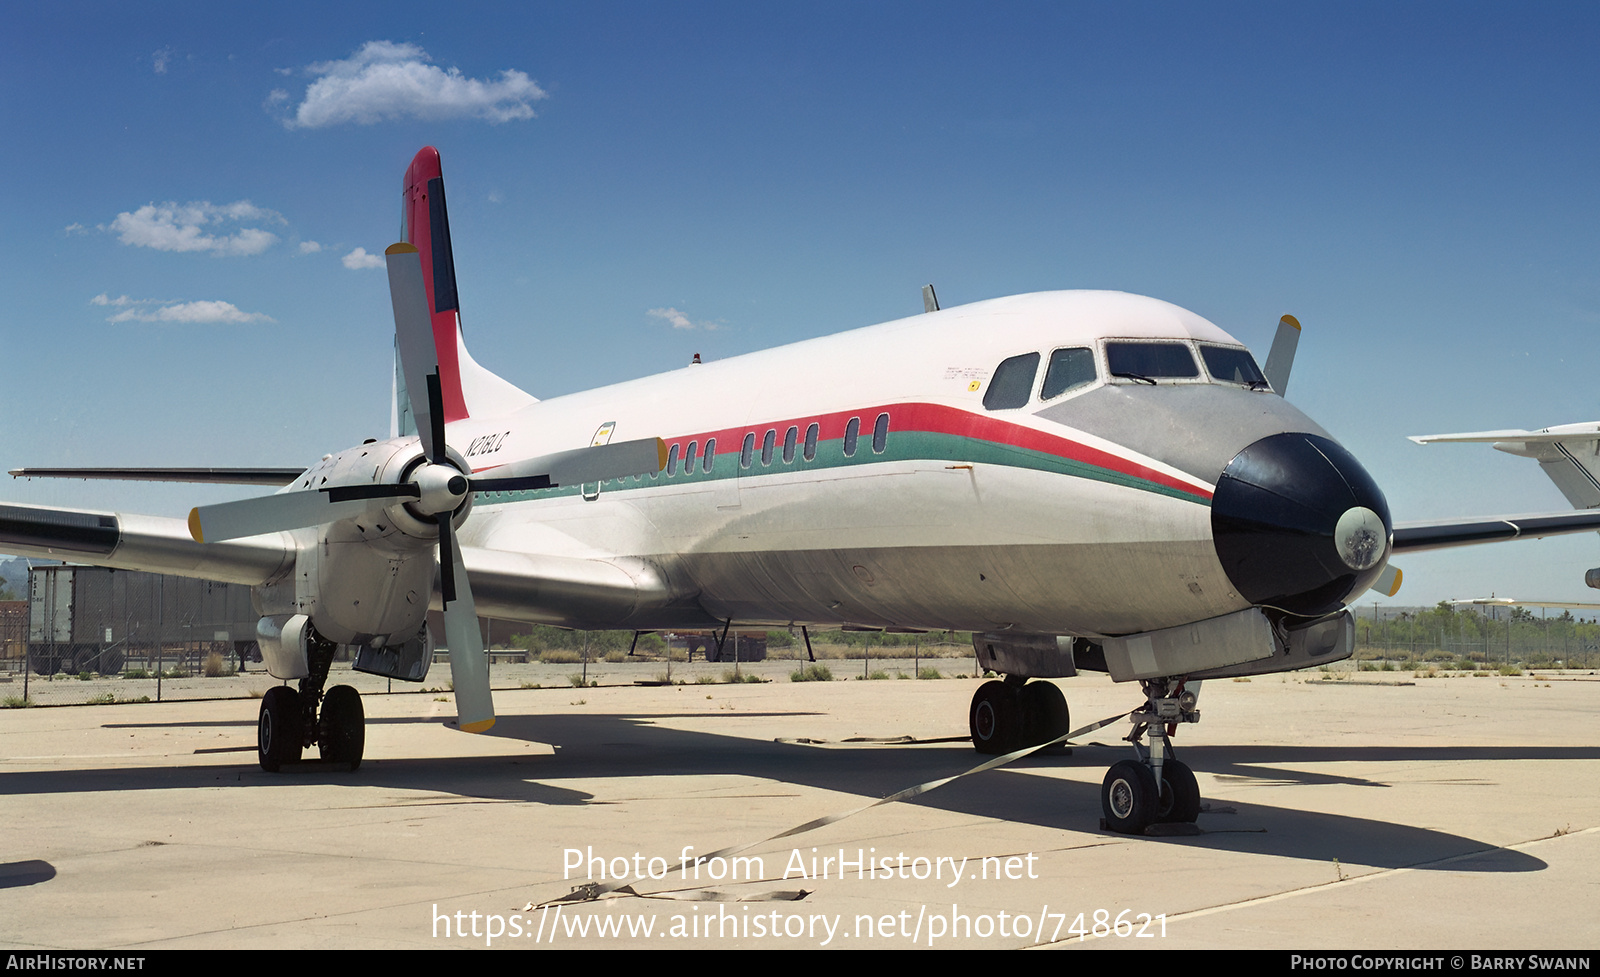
[(1129, 796)]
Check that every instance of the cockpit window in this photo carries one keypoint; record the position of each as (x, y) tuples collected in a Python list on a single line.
[(1068, 368), (1150, 361), (1231, 365), (1012, 384)]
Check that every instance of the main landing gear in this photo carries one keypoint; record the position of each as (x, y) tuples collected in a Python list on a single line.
[(1129, 796), (1009, 715), (290, 721)]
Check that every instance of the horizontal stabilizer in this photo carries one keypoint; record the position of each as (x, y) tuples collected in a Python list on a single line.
[(275, 477)]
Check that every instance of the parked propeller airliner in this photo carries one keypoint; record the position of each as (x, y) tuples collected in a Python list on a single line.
[(1085, 480)]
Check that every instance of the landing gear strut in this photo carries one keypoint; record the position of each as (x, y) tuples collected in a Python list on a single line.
[(1009, 715), (1129, 796), (289, 720)]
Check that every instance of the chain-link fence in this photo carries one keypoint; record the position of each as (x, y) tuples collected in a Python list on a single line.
[(1471, 638), (90, 635)]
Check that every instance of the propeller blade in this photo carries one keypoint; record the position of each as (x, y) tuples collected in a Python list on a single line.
[(345, 493), (469, 671), (1388, 582), (447, 558), (413, 336), (597, 464), (435, 419), (277, 513), (1281, 357)]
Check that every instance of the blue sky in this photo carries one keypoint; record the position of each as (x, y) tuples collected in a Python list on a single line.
[(1416, 182)]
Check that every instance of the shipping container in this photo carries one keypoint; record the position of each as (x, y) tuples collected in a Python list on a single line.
[(94, 619)]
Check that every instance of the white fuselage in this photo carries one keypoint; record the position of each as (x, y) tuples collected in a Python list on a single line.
[(957, 517)]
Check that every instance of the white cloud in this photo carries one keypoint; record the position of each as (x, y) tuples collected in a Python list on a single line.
[(161, 59), (309, 247), (385, 80), (360, 259), (157, 310), (681, 321), (188, 227)]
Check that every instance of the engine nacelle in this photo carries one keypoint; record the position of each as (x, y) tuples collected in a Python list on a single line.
[(1592, 577), (368, 581)]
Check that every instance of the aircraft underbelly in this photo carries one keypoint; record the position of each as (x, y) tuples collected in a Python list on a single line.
[(1078, 589)]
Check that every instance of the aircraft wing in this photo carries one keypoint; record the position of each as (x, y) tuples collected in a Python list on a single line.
[(1417, 537), (134, 542), (521, 586)]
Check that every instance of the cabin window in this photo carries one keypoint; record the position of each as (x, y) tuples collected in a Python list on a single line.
[(880, 434), (711, 455), (688, 457), (1068, 370), (1012, 383), (672, 461), (747, 454), (790, 437), (852, 431), (1150, 361), (1230, 364), (767, 444), (811, 442)]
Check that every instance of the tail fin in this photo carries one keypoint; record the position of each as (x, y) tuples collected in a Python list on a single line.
[(468, 389)]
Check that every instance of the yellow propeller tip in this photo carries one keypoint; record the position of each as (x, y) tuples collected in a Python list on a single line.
[(401, 248), (194, 526), (1291, 320), (478, 727)]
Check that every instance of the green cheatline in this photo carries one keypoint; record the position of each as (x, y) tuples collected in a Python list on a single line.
[(902, 446)]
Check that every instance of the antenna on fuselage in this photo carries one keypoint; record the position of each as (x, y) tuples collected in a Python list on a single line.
[(930, 301)]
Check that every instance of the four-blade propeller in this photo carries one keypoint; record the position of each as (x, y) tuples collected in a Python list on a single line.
[(436, 488)]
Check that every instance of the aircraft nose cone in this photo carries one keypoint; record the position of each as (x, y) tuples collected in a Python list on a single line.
[(1299, 525)]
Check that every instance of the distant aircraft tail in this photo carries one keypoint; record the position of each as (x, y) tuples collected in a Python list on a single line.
[(467, 388), (1568, 453)]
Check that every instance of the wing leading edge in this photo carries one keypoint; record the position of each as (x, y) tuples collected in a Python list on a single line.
[(1417, 537)]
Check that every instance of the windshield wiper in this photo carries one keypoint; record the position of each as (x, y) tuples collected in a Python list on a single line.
[(1135, 376)]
